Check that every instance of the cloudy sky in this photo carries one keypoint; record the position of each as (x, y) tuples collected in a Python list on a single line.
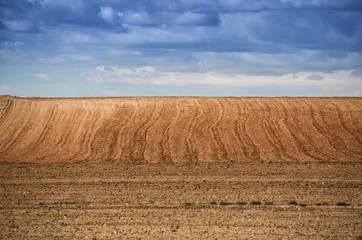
[(80, 48)]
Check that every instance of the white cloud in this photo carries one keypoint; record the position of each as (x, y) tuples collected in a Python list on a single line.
[(42, 77), (109, 93), (106, 13), (315, 77), (4, 89), (112, 74), (253, 63), (335, 83)]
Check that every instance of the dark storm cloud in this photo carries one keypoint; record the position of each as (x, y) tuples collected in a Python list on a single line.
[(237, 25), (219, 42), (299, 29), (164, 31)]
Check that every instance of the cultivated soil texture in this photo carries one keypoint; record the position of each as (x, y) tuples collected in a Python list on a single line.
[(180, 168), (154, 130)]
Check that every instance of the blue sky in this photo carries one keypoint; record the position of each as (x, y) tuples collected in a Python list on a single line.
[(82, 48)]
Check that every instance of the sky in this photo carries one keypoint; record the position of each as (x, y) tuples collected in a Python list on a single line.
[(94, 48)]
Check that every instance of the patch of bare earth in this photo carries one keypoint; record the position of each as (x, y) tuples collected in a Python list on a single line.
[(160, 168), (181, 129), (127, 201)]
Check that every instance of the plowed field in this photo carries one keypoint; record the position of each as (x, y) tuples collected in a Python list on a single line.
[(145, 130), (180, 168)]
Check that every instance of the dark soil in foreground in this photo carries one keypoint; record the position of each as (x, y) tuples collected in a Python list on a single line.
[(172, 201)]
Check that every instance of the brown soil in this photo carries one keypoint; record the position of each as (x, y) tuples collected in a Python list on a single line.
[(127, 201), (124, 168), (153, 130)]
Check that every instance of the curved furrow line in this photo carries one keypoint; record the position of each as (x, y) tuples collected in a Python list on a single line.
[(165, 142), (198, 142), (181, 148), (163, 134), (209, 124), (40, 141), (310, 135), (285, 138), (113, 136), (151, 148), (269, 133), (66, 135), (126, 141), (223, 155), (292, 126), (331, 152), (277, 134), (16, 128), (139, 141), (345, 135), (162, 138), (238, 132), (100, 141), (129, 120), (3, 122), (45, 129), (188, 131), (201, 140), (254, 153), (90, 135), (228, 130), (192, 148), (6, 108), (130, 133), (21, 130), (61, 132), (159, 114), (357, 137), (115, 125), (333, 129), (354, 117), (85, 127), (82, 128), (223, 131), (106, 136), (37, 124), (52, 150), (324, 130)]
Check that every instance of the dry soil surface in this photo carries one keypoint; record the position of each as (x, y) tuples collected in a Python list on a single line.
[(172, 201), (166, 168), (176, 129)]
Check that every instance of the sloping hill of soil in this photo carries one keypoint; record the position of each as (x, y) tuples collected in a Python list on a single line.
[(180, 129)]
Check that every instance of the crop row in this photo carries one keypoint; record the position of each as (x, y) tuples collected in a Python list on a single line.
[(293, 202)]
